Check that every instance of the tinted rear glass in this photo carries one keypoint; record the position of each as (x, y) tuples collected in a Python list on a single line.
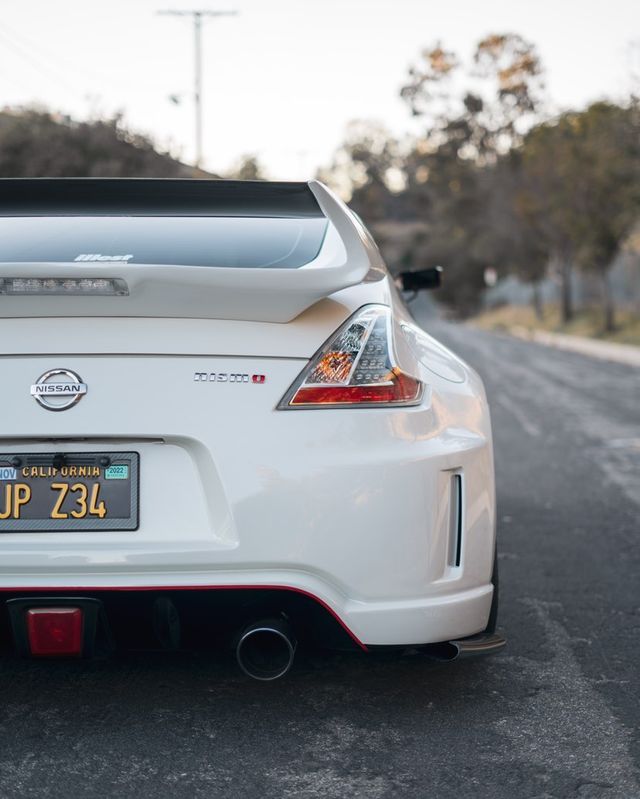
[(242, 242)]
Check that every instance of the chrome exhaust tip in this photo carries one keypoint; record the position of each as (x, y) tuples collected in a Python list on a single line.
[(265, 649), (479, 645), (473, 646)]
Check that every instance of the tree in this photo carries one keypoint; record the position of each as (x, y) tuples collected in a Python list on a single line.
[(513, 65), (517, 241), (499, 96), (363, 168), (450, 193), (453, 171), (580, 184), (608, 192), (248, 167), (491, 185), (428, 90), (37, 143)]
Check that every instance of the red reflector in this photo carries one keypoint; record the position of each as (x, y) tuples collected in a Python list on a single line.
[(55, 631)]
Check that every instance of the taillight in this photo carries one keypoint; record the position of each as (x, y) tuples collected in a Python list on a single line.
[(356, 366)]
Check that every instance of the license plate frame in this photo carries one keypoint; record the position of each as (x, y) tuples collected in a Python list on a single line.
[(123, 492)]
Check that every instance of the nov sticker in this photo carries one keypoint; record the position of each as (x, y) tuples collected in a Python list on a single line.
[(118, 472), (8, 473)]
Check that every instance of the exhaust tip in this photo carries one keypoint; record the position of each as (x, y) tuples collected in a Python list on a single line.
[(266, 649), (472, 646)]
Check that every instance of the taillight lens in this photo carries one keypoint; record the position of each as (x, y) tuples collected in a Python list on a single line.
[(356, 366)]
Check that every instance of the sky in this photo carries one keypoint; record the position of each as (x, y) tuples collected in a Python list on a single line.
[(284, 77)]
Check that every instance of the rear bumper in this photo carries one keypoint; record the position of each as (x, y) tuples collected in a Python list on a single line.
[(372, 541), (358, 510), (403, 622)]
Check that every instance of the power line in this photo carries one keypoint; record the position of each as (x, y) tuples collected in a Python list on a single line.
[(85, 84), (55, 62), (197, 15), (35, 61)]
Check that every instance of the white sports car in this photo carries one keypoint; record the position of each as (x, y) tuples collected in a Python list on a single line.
[(220, 423)]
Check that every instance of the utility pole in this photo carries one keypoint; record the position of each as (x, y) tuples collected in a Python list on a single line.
[(197, 15)]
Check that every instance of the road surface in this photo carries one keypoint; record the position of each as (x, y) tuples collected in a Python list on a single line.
[(554, 716)]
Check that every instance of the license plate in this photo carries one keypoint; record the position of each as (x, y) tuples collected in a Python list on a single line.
[(55, 492)]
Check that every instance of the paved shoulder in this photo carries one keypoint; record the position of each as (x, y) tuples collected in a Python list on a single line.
[(603, 350), (567, 435)]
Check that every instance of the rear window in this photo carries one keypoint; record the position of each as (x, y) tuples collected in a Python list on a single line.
[(240, 242)]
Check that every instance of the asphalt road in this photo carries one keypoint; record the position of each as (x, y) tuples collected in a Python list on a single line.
[(556, 715)]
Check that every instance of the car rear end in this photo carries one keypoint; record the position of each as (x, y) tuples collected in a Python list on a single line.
[(197, 434)]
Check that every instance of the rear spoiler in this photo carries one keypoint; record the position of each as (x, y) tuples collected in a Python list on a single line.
[(271, 295), (155, 197)]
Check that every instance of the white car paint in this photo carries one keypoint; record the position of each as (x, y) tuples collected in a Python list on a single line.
[(351, 506)]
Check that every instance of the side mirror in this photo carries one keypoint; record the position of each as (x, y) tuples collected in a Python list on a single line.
[(422, 279)]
